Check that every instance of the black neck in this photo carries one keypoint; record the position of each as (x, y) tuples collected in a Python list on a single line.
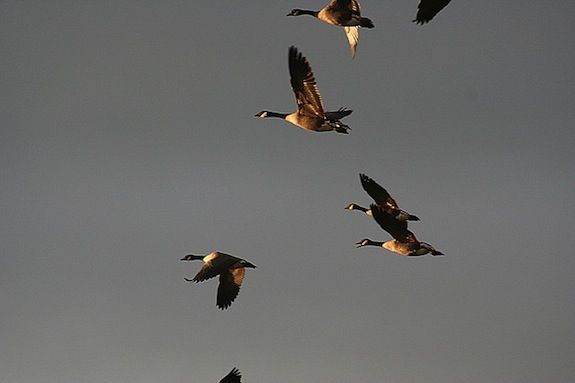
[(278, 115), (306, 12)]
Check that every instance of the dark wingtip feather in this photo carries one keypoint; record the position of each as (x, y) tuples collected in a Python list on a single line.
[(420, 21)]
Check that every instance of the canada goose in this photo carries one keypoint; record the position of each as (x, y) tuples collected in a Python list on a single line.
[(230, 269), (310, 114), (383, 199), (404, 241), (427, 9), (233, 377), (343, 13)]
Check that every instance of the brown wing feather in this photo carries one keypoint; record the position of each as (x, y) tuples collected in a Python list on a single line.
[(397, 229), (303, 84), (352, 34), (336, 5), (206, 272), (215, 267), (339, 12), (353, 5), (344, 5), (377, 192), (229, 287)]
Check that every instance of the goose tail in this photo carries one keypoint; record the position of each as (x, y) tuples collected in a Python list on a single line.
[(366, 23), (342, 128)]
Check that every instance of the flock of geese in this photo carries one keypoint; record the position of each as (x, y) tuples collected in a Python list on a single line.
[(311, 115)]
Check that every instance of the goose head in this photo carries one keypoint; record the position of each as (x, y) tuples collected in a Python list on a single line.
[(365, 242), (191, 257), (262, 114), (352, 206), (295, 12)]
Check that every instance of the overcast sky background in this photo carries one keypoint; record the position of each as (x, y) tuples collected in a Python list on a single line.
[(128, 140)]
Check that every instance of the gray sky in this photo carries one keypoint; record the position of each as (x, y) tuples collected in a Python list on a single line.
[(128, 140)]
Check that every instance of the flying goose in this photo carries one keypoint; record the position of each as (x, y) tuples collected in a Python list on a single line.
[(404, 242), (230, 269), (381, 198), (310, 114), (233, 377), (343, 13), (427, 9)]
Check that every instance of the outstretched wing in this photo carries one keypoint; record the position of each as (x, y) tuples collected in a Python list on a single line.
[(206, 272), (427, 9), (377, 192), (344, 5), (229, 287), (397, 229), (233, 377), (215, 265), (352, 34), (303, 84), (353, 6)]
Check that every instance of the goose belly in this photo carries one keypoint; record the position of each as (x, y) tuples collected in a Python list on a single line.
[(315, 124), (398, 247)]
